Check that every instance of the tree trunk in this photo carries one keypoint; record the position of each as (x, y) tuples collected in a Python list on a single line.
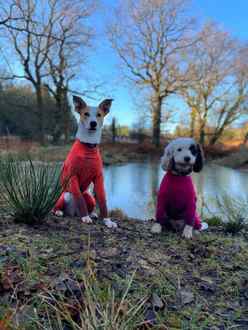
[(57, 129), (66, 118), (217, 135), (156, 120), (192, 122), (202, 136), (246, 138), (40, 115), (113, 130), (203, 122), (62, 117)]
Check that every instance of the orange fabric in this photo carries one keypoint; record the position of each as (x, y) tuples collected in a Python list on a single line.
[(90, 201), (82, 167)]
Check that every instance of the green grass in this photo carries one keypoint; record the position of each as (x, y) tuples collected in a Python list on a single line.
[(233, 212)]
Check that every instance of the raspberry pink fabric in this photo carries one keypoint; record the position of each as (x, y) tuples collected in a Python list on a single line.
[(177, 200)]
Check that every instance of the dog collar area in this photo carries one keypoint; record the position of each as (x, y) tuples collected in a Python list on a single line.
[(178, 173), (89, 145)]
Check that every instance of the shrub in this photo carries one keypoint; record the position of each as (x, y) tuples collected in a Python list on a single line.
[(117, 214), (214, 221), (233, 212), (29, 191)]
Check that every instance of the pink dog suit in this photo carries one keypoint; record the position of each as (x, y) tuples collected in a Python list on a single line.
[(177, 200)]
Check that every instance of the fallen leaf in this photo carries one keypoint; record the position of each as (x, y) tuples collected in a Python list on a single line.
[(5, 321)]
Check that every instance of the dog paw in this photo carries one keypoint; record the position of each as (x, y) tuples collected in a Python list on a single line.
[(109, 223), (188, 231), (94, 216), (86, 219), (156, 228), (204, 226), (59, 213)]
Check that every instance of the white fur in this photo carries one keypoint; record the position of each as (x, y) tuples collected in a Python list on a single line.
[(84, 134), (178, 149), (156, 228), (86, 219), (204, 226), (59, 213), (188, 231), (68, 197), (109, 223), (94, 216)]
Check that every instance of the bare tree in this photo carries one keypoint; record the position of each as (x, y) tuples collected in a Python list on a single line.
[(67, 55), (149, 36), (31, 36), (49, 38), (217, 83)]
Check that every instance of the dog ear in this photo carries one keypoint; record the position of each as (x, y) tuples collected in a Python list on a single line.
[(166, 160), (105, 105), (199, 162), (79, 103)]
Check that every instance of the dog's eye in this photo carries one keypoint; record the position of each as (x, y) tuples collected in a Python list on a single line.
[(99, 115), (179, 149), (86, 114)]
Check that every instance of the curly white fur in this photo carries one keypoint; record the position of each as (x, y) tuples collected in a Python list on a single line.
[(179, 150)]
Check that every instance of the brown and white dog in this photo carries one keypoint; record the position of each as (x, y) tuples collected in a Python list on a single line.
[(83, 166)]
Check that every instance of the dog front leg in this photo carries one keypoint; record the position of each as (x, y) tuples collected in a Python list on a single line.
[(82, 210), (76, 206), (187, 232), (101, 199)]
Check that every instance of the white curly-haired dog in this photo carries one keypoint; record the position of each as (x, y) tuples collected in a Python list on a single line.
[(176, 204)]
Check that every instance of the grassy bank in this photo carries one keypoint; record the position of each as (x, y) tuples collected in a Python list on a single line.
[(67, 275), (111, 153)]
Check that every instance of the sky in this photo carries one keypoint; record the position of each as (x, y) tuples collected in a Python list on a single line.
[(103, 64), (230, 14)]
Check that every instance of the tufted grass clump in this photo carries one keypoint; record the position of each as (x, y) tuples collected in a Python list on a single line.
[(28, 190), (214, 221), (234, 213), (95, 306)]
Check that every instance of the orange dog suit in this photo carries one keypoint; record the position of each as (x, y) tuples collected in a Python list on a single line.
[(82, 167)]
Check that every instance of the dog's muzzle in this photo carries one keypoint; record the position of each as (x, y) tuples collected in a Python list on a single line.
[(93, 125), (183, 168)]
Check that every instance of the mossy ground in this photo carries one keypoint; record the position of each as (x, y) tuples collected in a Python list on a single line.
[(196, 284)]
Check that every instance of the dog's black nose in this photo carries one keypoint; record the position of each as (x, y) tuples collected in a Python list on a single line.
[(93, 124), (187, 159)]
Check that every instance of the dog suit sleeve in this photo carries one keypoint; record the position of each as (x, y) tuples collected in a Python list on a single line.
[(190, 212), (72, 183), (100, 195), (74, 188), (161, 204)]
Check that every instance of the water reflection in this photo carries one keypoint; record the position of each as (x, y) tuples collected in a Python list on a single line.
[(132, 187)]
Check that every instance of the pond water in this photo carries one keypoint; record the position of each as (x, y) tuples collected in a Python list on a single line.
[(132, 187)]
